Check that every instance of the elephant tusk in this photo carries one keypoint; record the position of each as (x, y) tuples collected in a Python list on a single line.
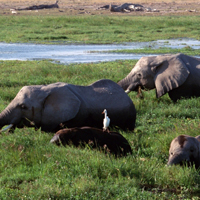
[(9, 126), (127, 91)]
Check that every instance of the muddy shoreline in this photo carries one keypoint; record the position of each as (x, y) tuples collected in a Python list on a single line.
[(95, 8)]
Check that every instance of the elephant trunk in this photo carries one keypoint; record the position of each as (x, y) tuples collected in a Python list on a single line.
[(178, 159), (124, 83), (173, 161), (129, 83), (4, 118), (8, 117)]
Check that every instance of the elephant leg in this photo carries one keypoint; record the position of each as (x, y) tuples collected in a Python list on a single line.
[(50, 128), (184, 91)]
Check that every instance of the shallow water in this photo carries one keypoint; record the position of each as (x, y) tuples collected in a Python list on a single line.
[(67, 54), (176, 43)]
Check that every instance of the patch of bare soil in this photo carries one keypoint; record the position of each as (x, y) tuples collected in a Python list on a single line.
[(99, 7)]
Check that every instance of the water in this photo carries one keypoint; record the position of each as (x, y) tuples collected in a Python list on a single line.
[(67, 54)]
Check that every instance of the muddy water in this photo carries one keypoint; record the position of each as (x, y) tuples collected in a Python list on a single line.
[(67, 54)]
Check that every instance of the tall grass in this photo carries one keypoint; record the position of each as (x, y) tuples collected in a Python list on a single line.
[(32, 168)]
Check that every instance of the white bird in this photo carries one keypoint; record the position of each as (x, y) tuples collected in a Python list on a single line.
[(106, 120), (14, 12)]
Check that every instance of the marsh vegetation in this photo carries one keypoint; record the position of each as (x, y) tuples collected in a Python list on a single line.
[(96, 29)]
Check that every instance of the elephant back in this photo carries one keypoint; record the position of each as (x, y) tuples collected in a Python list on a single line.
[(106, 94)]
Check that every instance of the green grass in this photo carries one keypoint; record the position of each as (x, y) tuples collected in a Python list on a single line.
[(185, 50), (96, 29), (32, 168)]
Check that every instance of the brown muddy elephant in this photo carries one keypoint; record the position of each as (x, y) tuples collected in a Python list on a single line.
[(47, 106), (107, 141), (178, 75), (185, 149)]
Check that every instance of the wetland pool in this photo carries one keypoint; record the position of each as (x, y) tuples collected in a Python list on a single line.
[(73, 53)]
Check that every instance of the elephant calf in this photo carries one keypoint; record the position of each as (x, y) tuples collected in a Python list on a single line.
[(185, 149), (112, 142)]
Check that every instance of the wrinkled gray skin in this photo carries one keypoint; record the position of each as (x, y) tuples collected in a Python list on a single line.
[(47, 106), (178, 75), (185, 149)]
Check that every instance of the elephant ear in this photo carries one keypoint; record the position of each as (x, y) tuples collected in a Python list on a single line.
[(61, 105), (171, 72)]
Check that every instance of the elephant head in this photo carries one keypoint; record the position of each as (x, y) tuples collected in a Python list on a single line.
[(185, 149), (163, 72), (40, 106)]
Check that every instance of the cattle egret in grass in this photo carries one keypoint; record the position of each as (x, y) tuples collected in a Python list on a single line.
[(106, 120)]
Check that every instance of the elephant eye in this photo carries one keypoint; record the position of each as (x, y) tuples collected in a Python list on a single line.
[(139, 75), (171, 153), (191, 150), (23, 107)]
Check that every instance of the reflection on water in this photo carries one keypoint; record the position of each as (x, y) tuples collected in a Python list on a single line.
[(85, 53)]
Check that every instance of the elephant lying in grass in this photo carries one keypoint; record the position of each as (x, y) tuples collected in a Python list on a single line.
[(111, 142), (185, 149), (126, 7), (42, 6), (47, 106), (178, 75)]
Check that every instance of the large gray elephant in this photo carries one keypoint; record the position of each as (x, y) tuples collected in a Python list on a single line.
[(185, 149), (47, 106), (178, 75)]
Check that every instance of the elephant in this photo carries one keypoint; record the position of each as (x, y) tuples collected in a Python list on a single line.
[(112, 142), (175, 74), (185, 149), (126, 7), (53, 106), (42, 6)]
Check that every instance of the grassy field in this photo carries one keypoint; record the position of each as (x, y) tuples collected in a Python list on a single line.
[(96, 29), (31, 168)]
